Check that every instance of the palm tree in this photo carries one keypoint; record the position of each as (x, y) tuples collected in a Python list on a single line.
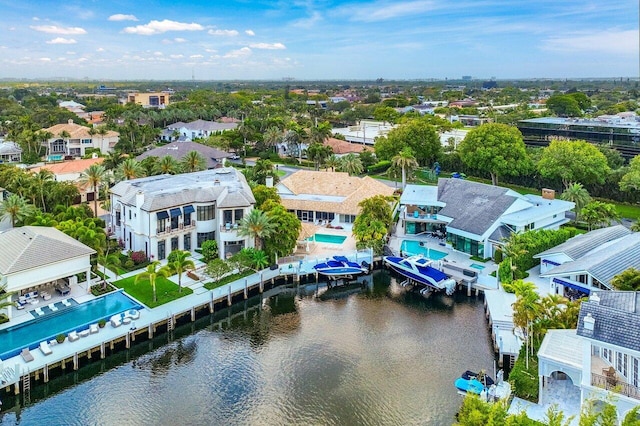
[(257, 225), (94, 176), (151, 274), (168, 166), (525, 310), (272, 136), (39, 183), (317, 152), (5, 297), (320, 133), (407, 162), (351, 164), (65, 135), (181, 264), (332, 162), (110, 261), (259, 259), (129, 169), (16, 208), (112, 160), (193, 161), (576, 193)]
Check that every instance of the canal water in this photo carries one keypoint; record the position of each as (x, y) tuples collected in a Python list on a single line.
[(368, 354)]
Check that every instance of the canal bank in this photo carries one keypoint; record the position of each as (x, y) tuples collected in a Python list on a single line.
[(298, 354)]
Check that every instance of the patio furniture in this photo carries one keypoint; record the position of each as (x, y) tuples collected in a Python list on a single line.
[(116, 321), (26, 355), (134, 314), (38, 311), (126, 320), (45, 349), (73, 336), (45, 295), (84, 333), (34, 301), (93, 329), (66, 302), (52, 307), (63, 289)]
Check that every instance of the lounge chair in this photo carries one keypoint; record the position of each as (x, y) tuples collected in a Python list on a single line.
[(52, 307), (134, 314), (93, 329), (26, 355), (116, 321), (66, 302), (73, 336), (38, 311), (45, 349)]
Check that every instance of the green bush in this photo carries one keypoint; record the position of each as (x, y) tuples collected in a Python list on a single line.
[(209, 250), (129, 264), (497, 256), (379, 167), (524, 381), (3, 318), (60, 338), (534, 242), (505, 274)]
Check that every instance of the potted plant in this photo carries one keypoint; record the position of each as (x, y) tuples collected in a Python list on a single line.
[(60, 338), (102, 323)]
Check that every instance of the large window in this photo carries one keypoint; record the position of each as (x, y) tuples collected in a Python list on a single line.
[(228, 216), (187, 242), (347, 218), (174, 243), (118, 219), (466, 245), (238, 215), (207, 212), (187, 219), (174, 222), (162, 250), (162, 225), (205, 236)]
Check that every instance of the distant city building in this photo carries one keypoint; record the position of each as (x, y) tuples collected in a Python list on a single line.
[(149, 100), (621, 131)]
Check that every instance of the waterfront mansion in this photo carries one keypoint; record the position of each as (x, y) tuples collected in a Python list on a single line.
[(159, 214)]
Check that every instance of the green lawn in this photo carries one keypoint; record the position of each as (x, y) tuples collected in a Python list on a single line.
[(166, 290), (226, 280)]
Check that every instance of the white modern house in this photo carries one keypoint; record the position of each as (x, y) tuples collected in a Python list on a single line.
[(476, 217), (588, 262), (600, 361), (35, 256), (365, 132), (159, 214), (195, 129), (10, 152)]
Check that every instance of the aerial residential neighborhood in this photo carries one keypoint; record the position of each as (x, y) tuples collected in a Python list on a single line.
[(272, 213)]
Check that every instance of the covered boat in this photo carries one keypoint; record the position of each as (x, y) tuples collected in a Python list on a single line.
[(420, 269), (340, 266), (473, 382)]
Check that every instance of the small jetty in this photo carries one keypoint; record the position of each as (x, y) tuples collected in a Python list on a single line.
[(499, 312)]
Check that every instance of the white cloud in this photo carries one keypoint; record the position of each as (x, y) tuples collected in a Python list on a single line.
[(122, 17), (384, 10), (176, 56), (61, 40), (245, 51), (180, 40), (249, 33), (268, 46), (70, 52), (54, 29), (159, 27), (158, 53), (308, 22), (45, 59), (196, 56), (35, 18), (100, 49), (612, 41), (230, 33)]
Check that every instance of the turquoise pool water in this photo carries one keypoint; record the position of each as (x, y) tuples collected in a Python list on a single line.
[(477, 266), (411, 248), (31, 333), (326, 238)]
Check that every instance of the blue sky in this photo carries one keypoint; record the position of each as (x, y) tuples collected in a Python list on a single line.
[(318, 39)]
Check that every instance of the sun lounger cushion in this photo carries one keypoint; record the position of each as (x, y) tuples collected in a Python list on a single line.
[(45, 349), (73, 336), (93, 328), (26, 355)]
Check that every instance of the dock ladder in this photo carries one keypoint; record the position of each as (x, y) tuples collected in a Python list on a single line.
[(26, 388)]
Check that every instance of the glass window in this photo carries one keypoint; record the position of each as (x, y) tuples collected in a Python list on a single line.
[(205, 236), (174, 222), (187, 242), (238, 215), (174, 243), (118, 219), (636, 371), (161, 250), (162, 225), (187, 219), (206, 212), (228, 216)]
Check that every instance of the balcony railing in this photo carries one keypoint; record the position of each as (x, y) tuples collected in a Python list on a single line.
[(229, 227), (426, 217), (614, 385), (180, 228)]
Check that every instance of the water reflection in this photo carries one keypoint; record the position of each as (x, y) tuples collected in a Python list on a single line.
[(366, 353)]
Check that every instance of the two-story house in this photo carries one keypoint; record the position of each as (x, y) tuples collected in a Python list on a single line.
[(72, 140), (476, 217), (159, 214), (600, 361)]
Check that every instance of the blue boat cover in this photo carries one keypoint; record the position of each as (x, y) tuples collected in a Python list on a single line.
[(341, 258), (433, 273)]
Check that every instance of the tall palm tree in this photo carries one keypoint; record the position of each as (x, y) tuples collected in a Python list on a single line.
[(5, 297), (525, 310), (112, 160), (129, 169), (151, 274), (168, 166), (258, 225), (578, 194), (351, 164), (110, 261), (39, 182), (317, 152), (181, 264), (272, 136), (193, 161), (407, 162), (332, 162), (320, 133), (16, 208), (94, 176), (65, 135)]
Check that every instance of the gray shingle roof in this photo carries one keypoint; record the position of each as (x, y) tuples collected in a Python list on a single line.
[(500, 234), (31, 247), (178, 150), (580, 245), (8, 147), (473, 206), (605, 261), (617, 320), (225, 186)]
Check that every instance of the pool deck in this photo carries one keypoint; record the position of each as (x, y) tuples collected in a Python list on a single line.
[(13, 370)]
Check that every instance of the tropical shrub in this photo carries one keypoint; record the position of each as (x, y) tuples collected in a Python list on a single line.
[(497, 256), (138, 257), (525, 380), (209, 250)]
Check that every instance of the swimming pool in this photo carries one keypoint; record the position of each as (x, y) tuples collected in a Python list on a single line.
[(477, 266), (31, 333), (327, 238), (410, 248)]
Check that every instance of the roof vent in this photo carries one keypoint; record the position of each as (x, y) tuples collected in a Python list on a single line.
[(589, 322), (595, 298), (216, 182)]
